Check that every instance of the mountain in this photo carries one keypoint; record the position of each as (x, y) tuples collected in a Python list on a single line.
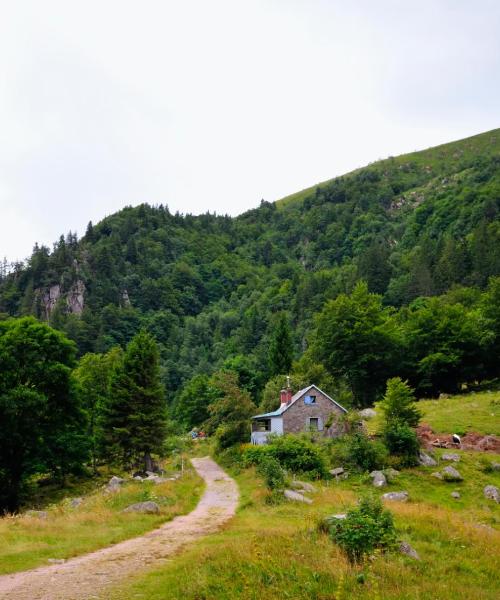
[(208, 286)]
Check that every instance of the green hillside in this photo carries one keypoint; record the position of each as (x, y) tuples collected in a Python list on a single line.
[(210, 287)]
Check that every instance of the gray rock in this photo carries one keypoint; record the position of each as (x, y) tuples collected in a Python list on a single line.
[(426, 461), (114, 484), (405, 548), (378, 479), (296, 497), (75, 502), (336, 472), (303, 486), (367, 413), (138, 478), (452, 457), (495, 466), (437, 475), (340, 516), (150, 508), (455, 495), (56, 561), (38, 514), (491, 493), (151, 474), (451, 474), (396, 496)]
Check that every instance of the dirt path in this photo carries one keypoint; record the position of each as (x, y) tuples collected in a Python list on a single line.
[(86, 577)]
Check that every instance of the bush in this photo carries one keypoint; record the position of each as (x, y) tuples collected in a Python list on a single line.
[(252, 455), (270, 469), (363, 453), (402, 441), (298, 455), (366, 528), (230, 434)]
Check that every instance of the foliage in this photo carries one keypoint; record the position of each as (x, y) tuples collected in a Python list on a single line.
[(270, 469), (355, 339), (230, 412), (280, 348), (42, 422), (362, 453), (366, 528), (135, 417), (297, 454), (191, 406), (398, 404), (401, 440)]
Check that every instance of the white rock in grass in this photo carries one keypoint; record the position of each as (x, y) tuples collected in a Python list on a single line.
[(455, 495), (303, 486), (396, 496), (405, 548), (76, 502), (426, 461), (367, 413), (149, 508), (296, 497), (451, 474), (491, 493), (378, 479), (452, 457)]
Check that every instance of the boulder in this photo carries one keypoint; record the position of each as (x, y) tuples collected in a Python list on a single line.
[(451, 474), (367, 413), (396, 496), (491, 493), (495, 466), (452, 457), (405, 548), (150, 508), (114, 484), (426, 461), (336, 472), (75, 502), (455, 495), (138, 478), (437, 475), (303, 486), (296, 497), (378, 479)]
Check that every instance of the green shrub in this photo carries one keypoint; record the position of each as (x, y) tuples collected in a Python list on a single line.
[(298, 455), (402, 441), (252, 455), (366, 528), (270, 469), (363, 453)]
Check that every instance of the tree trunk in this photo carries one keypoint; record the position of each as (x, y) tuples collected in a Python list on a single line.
[(148, 462)]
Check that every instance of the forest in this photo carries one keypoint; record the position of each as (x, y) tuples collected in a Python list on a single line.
[(392, 270)]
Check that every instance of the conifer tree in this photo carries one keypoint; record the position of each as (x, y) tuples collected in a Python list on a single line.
[(399, 404), (135, 418), (280, 349)]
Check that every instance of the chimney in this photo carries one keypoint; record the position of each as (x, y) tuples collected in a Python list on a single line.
[(285, 396)]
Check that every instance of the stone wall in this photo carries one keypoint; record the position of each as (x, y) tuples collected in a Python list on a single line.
[(296, 418)]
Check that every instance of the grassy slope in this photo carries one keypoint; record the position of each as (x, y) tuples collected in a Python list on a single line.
[(436, 158), (478, 412), (27, 542), (274, 551)]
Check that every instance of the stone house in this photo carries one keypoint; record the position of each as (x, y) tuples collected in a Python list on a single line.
[(309, 409)]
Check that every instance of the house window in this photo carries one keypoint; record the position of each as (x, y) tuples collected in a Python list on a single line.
[(309, 399), (264, 425), (314, 424)]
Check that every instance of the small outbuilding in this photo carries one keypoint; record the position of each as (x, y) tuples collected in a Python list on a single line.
[(309, 409)]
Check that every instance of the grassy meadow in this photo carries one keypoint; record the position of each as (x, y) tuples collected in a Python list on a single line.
[(275, 551), (28, 541)]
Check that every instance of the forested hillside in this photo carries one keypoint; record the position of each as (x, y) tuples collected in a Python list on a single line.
[(212, 289)]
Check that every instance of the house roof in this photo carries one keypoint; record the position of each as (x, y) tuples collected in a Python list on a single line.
[(295, 397)]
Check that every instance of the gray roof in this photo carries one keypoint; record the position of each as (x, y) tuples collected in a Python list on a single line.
[(295, 397)]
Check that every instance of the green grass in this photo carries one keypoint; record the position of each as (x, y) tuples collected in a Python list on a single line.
[(270, 552), (478, 412), (27, 541)]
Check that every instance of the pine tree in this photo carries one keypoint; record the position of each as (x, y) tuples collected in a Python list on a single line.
[(280, 348), (135, 418), (399, 405)]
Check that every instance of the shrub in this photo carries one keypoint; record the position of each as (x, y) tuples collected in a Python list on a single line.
[(297, 454), (363, 453), (402, 441), (270, 469), (366, 528), (252, 455)]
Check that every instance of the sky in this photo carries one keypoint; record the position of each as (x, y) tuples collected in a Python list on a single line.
[(213, 105)]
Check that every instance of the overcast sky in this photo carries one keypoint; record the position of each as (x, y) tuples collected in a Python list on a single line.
[(214, 104)]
